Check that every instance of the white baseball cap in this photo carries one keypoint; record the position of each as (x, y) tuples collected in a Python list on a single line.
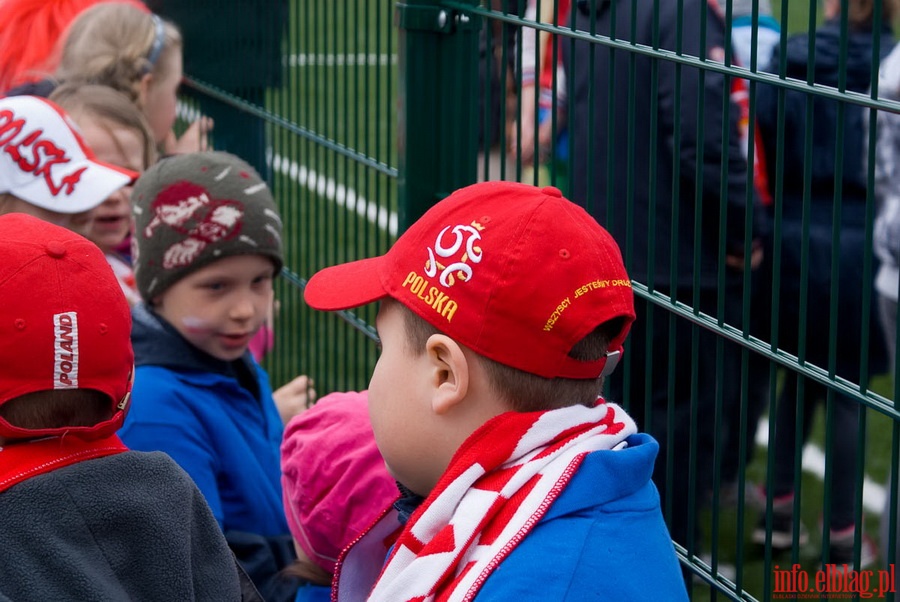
[(45, 162)]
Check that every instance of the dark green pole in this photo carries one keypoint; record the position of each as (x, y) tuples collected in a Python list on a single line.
[(438, 104)]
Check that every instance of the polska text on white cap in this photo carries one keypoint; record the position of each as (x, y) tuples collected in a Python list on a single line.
[(45, 162)]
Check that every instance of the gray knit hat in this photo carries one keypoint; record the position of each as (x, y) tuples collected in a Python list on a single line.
[(193, 209)]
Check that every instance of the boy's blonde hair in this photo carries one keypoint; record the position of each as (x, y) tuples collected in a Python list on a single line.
[(523, 391), (107, 106), (115, 45)]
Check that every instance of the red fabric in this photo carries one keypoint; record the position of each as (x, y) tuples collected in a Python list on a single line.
[(497, 487), (65, 323), (741, 97), (547, 68), (32, 34), (26, 459)]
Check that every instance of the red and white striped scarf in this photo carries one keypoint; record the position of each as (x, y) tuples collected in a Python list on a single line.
[(498, 486)]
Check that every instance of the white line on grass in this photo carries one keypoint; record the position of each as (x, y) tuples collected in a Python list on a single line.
[(340, 60), (814, 462), (337, 193)]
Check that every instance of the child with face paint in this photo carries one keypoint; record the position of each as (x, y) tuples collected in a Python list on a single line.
[(207, 245)]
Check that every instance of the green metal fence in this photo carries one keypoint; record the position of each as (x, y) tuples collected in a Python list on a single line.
[(383, 108)]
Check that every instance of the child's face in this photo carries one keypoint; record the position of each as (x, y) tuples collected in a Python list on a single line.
[(76, 222), (220, 307), (120, 146), (162, 95), (400, 406)]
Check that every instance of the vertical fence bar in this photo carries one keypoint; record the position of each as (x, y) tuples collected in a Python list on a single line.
[(433, 42)]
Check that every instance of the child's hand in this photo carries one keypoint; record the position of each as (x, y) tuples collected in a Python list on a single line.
[(294, 397), (194, 139)]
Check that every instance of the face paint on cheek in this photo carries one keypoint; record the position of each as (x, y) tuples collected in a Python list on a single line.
[(195, 325)]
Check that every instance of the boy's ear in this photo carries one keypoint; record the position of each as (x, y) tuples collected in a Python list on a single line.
[(449, 372)]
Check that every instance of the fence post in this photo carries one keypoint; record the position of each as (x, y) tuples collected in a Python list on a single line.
[(438, 103)]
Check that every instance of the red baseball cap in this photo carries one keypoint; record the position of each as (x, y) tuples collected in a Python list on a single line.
[(64, 321), (45, 162), (515, 272)]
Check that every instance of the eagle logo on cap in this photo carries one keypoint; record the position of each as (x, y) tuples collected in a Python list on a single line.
[(447, 247), (187, 209)]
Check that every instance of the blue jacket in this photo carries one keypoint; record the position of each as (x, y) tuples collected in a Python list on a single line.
[(603, 538), (313, 593), (191, 406), (218, 421)]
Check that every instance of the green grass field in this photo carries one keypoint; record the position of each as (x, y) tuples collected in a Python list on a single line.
[(335, 178), (334, 164)]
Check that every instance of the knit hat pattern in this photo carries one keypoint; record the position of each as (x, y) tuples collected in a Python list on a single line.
[(193, 209)]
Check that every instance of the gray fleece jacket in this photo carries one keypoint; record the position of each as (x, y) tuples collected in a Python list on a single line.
[(130, 526)]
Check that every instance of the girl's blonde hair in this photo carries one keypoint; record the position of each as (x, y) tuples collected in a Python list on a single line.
[(115, 45), (106, 107)]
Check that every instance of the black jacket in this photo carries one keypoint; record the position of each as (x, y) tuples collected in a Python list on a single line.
[(641, 164), (818, 236), (231, 44), (826, 71)]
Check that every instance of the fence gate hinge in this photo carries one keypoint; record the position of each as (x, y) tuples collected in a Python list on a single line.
[(417, 17)]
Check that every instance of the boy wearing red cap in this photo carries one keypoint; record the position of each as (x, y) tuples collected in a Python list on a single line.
[(47, 170), (502, 309), (84, 518)]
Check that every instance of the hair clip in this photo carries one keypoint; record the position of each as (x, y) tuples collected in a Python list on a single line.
[(156, 48)]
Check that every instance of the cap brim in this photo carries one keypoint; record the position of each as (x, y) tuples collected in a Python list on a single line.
[(96, 183), (346, 285), (70, 178)]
